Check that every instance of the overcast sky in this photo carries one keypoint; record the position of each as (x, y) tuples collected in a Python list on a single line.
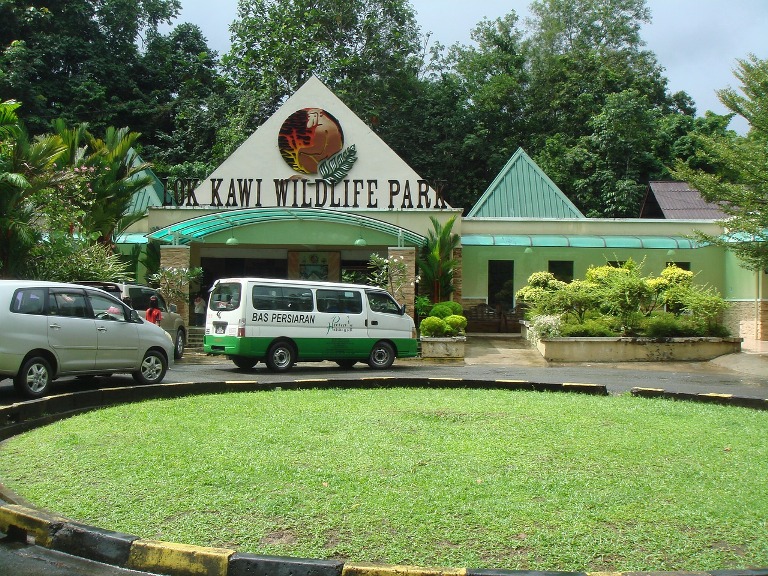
[(696, 41)]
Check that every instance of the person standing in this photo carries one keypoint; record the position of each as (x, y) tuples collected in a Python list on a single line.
[(153, 312), (200, 306)]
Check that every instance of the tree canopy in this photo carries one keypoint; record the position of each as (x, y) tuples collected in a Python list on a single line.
[(737, 177), (573, 85)]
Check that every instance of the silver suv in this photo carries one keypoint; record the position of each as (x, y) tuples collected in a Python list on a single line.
[(52, 330), (139, 296)]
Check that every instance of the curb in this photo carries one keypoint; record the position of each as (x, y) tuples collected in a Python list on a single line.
[(26, 524)]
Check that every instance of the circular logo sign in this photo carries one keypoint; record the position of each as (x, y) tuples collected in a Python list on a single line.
[(309, 136)]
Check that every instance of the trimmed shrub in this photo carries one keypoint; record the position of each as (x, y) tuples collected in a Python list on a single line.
[(456, 324), (441, 310), (432, 326), (589, 328)]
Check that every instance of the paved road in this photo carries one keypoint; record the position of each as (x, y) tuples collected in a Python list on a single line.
[(487, 359)]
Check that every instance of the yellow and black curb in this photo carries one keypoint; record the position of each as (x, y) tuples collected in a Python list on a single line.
[(171, 559), (26, 524)]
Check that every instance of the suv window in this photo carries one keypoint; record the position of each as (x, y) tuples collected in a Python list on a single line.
[(66, 302), (140, 298), (28, 301), (105, 308)]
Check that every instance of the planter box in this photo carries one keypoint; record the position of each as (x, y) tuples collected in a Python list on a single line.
[(443, 347), (625, 349)]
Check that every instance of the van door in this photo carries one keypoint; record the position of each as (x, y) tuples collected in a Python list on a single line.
[(341, 322), (71, 329), (385, 317)]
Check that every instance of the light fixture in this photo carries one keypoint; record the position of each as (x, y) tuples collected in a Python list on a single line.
[(528, 250), (361, 241), (232, 241), (670, 252)]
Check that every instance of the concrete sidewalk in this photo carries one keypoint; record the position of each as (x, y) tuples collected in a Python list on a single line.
[(512, 350)]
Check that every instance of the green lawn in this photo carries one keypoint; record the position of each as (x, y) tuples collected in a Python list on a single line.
[(459, 478)]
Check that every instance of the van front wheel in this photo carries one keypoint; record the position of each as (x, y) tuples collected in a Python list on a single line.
[(382, 355), (280, 357)]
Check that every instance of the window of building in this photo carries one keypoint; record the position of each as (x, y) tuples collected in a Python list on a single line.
[(681, 265), (561, 270)]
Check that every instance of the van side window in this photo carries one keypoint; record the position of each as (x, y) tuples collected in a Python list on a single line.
[(68, 303), (381, 302), (28, 301), (345, 301), (287, 298)]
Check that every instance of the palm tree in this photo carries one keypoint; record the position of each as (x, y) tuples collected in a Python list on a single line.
[(114, 176), (436, 264), (26, 168)]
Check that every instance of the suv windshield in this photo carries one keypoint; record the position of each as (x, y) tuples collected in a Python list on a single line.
[(225, 296)]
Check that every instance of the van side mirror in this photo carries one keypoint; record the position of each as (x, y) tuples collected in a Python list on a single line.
[(402, 310), (172, 308)]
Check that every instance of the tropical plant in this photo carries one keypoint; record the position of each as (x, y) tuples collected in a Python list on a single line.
[(115, 174), (436, 263), (174, 282), (27, 167)]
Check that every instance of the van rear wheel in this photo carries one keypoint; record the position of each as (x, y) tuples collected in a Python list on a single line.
[(382, 355), (243, 362), (281, 357)]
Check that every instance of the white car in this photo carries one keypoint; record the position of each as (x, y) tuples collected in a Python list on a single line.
[(52, 329)]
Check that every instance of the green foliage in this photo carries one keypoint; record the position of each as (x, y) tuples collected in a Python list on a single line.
[(436, 262), (619, 300), (441, 310), (423, 305), (64, 258), (739, 182), (391, 274), (590, 328), (433, 327), (174, 282), (456, 324)]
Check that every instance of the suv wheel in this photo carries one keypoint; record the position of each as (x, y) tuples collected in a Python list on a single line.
[(178, 346), (34, 378), (153, 368)]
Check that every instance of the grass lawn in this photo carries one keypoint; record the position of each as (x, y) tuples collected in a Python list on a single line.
[(459, 478)]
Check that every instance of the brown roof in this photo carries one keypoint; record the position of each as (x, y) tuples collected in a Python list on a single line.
[(678, 201)]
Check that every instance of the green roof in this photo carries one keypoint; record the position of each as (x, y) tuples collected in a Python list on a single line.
[(578, 241), (151, 194), (523, 190), (197, 228)]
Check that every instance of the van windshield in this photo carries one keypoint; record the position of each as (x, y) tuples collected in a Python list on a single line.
[(225, 296)]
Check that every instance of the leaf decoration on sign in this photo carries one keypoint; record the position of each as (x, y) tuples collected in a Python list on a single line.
[(334, 169)]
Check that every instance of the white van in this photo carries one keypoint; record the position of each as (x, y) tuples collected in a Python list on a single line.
[(281, 322), (52, 329)]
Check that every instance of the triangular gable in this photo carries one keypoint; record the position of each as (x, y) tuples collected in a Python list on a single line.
[(151, 195), (365, 173), (523, 190)]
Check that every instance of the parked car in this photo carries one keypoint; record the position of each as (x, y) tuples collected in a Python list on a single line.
[(139, 296), (51, 330)]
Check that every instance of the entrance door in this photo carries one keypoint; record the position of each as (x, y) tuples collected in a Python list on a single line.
[(499, 272)]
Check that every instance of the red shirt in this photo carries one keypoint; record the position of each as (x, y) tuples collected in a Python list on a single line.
[(154, 315)]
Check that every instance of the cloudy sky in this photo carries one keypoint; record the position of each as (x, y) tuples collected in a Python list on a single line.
[(696, 41)]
